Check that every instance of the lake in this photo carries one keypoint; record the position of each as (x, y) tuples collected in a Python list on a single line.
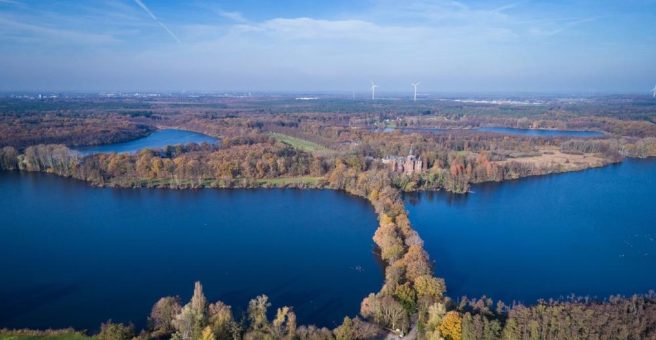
[(506, 131), (75, 255), (540, 132), (157, 139), (588, 233)]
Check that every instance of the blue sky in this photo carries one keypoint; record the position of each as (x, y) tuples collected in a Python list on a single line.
[(294, 45)]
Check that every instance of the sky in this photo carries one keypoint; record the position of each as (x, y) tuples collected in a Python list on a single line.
[(606, 46)]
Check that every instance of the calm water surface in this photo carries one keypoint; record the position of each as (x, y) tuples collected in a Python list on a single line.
[(74, 255), (588, 233), (157, 139), (541, 132), (507, 131)]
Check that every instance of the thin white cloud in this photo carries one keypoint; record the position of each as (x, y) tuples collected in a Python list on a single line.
[(317, 29), (232, 16), (54, 35), (145, 8), (561, 27)]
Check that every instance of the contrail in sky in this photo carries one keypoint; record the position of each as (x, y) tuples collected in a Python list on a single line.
[(142, 5)]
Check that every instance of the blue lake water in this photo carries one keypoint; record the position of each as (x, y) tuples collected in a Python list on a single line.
[(588, 233), (75, 255), (157, 139), (507, 131), (541, 132)]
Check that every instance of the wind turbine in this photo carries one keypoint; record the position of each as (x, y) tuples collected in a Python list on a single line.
[(653, 91), (373, 90), (414, 98)]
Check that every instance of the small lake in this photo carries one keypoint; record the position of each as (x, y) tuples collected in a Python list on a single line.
[(588, 233), (505, 131), (75, 255), (540, 132), (157, 139)]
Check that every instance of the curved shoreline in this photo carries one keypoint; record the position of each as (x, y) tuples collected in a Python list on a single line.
[(400, 247)]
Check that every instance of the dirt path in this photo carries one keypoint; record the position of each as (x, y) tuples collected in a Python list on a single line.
[(412, 334)]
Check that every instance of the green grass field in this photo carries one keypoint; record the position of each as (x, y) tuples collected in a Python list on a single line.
[(63, 336), (298, 143), (290, 180), (218, 183)]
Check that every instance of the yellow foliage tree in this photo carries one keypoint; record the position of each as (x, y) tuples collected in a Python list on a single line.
[(385, 219), (451, 327), (208, 334)]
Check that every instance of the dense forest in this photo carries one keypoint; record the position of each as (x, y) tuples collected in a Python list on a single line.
[(340, 151), (21, 130)]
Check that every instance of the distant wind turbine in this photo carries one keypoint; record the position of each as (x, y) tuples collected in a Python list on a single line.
[(373, 90), (414, 98), (653, 91)]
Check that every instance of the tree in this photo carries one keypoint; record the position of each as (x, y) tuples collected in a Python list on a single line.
[(189, 323), (429, 287), (391, 246), (313, 333), (207, 334), (406, 296), (198, 301), (162, 315), (436, 313), (394, 274), (186, 324), (429, 290), (220, 319), (371, 308), (510, 330), (257, 309), (385, 311), (394, 315), (284, 324), (8, 158), (416, 262), (346, 331), (355, 329), (451, 326), (115, 331)]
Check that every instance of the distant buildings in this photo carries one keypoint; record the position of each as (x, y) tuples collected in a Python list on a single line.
[(408, 165)]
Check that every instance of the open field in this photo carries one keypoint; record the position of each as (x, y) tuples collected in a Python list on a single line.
[(285, 181), (552, 157), (298, 143)]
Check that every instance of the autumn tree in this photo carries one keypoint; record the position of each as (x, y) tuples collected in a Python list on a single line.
[(385, 311), (189, 323), (284, 324), (115, 331), (220, 320), (257, 309), (162, 315), (435, 315), (451, 326), (207, 334)]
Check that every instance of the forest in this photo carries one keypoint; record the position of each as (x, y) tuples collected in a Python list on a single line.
[(42, 138)]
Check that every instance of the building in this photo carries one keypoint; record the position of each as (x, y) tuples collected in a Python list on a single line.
[(408, 165)]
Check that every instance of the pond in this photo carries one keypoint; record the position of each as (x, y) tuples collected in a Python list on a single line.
[(504, 131), (157, 139), (587, 233), (540, 132), (75, 255)]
